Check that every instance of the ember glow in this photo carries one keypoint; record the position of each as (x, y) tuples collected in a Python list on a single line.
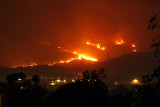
[(30, 65), (134, 50), (97, 46), (119, 42), (133, 45)]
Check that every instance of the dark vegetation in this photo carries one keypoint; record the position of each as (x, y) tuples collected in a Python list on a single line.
[(89, 91), (22, 92)]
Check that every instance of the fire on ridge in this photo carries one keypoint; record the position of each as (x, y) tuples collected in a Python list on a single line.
[(79, 55)]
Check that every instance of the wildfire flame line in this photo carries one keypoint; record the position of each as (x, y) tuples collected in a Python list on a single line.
[(80, 56), (31, 65), (97, 46)]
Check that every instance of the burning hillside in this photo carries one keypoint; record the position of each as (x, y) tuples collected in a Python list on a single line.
[(94, 52)]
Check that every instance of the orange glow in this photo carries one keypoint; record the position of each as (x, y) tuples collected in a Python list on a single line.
[(116, 83), (134, 50), (120, 42), (97, 46), (133, 45)]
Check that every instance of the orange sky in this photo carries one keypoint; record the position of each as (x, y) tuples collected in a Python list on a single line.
[(70, 23)]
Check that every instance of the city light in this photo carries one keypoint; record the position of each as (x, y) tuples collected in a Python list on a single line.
[(52, 83), (73, 80), (19, 79), (58, 81), (116, 83), (135, 81)]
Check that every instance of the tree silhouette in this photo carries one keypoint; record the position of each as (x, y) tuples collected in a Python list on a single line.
[(12, 78), (154, 25), (35, 79), (90, 92), (79, 94), (148, 94), (21, 75), (19, 92)]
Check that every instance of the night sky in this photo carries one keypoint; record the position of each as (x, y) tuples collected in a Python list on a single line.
[(69, 24)]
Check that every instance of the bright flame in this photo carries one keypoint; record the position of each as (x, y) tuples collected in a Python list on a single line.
[(134, 50), (133, 45), (83, 56), (79, 57), (119, 42), (97, 46)]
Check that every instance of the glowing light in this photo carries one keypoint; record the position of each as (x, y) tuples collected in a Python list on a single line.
[(120, 42), (58, 81), (134, 50), (81, 74), (14, 66), (97, 46), (116, 83), (19, 79), (79, 57), (133, 45), (73, 80), (31, 65), (64, 81), (135, 81), (52, 83)]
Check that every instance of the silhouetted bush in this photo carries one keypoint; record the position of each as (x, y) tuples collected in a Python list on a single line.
[(79, 94)]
